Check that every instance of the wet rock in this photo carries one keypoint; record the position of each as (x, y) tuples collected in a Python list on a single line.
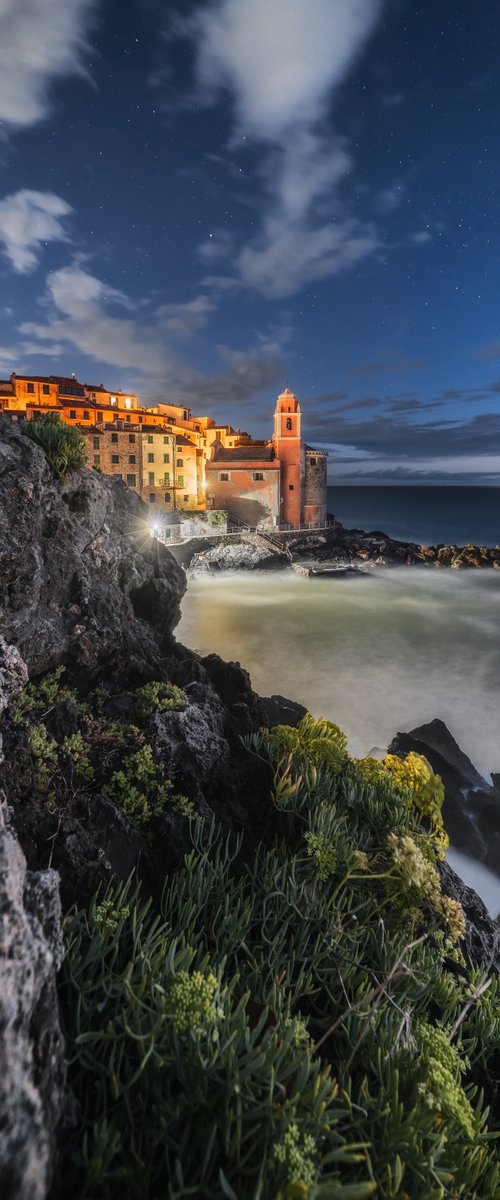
[(239, 556), (32, 1071), (471, 808)]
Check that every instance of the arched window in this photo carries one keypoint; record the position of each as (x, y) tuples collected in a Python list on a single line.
[(289, 422)]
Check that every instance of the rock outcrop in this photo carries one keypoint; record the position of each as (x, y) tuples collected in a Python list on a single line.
[(83, 585), (471, 808), (32, 1072), (81, 580), (235, 557)]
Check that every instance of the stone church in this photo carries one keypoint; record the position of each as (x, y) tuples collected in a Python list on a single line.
[(280, 483)]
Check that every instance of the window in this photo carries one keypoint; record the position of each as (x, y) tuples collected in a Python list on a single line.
[(152, 498), (85, 414), (97, 460), (180, 462), (131, 437), (131, 458), (167, 497), (166, 458), (127, 418), (97, 442), (312, 462), (184, 415), (46, 389), (289, 422), (151, 478), (224, 477), (30, 388), (165, 441), (258, 476), (186, 498), (115, 458), (131, 480), (114, 437), (290, 487), (166, 479), (151, 457), (112, 399), (128, 402), (72, 414), (180, 480), (98, 414), (150, 439), (118, 476)]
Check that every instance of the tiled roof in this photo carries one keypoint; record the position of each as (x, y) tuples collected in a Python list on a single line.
[(243, 453), (183, 441)]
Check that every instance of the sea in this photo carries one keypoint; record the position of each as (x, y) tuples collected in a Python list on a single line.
[(429, 515), (382, 652)]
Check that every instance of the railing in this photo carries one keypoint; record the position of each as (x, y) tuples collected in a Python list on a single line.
[(271, 534)]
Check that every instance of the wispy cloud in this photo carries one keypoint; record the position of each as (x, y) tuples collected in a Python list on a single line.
[(28, 220), (282, 62), (85, 313), (40, 41)]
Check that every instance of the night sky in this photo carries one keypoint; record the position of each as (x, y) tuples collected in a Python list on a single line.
[(203, 201)]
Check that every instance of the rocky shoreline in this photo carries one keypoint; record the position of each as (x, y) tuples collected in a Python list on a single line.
[(335, 552)]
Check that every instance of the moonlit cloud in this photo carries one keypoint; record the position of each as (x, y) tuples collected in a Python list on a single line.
[(28, 220), (282, 61), (280, 58), (100, 321), (40, 41)]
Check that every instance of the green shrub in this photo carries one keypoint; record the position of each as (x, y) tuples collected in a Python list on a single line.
[(158, 697), (42, 695), (64, 445), (216, 516), (294, 1023)]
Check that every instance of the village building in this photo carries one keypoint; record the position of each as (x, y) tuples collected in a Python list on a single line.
[(181, 463)]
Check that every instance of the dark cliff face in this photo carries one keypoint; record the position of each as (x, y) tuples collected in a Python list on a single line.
[(81, 580), (83, 586)]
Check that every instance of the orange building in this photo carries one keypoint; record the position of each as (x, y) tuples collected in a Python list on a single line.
[(177, 461)]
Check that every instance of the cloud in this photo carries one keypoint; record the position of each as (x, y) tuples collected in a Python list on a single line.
[(389, 435), (182, 320), (40, 41), (281, 62), (102, 322), (280, 59), (28, 220), (83, 316)]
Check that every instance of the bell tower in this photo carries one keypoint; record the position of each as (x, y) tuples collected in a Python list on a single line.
[(290, 452)]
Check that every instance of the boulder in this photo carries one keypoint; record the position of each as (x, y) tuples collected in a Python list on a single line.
[(238, 556), (471, 808)]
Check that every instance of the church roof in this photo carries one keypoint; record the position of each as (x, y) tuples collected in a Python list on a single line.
[(243, 454)]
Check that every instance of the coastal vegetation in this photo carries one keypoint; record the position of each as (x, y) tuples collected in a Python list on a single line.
[(296, 1022), (64, 445)]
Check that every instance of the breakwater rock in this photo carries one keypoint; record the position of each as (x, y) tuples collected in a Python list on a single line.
[(334, 553)]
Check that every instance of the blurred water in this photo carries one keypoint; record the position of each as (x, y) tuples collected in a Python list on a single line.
[(376, 653)]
